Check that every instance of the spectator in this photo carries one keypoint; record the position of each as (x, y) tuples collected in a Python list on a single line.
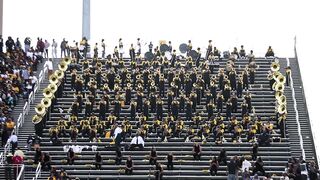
[(13, 140), (37, 155), (46, 161), (54, 49), (232, 169), (246, 165), (20, 153), (63, 47), (313, 170), (70, 156), (137, 141), (153, 156), (98, 160), (46, 48), (1, 44), (27, 43), (129, 166), (8, 168), (49, 65), (214, 165), (196, 151)]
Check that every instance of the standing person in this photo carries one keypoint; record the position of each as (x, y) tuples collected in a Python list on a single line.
[(95, 51), (170, 161), (49, 65), (158, 172), (18, 44), (27, 43), (46, 48), (1, 44), (196, 151), (232, 169), (54, 48), (103, 45), (254, 151), (71, 157), (8, 167), (121, 48), (13, 139), (63, 47), (98, 160)]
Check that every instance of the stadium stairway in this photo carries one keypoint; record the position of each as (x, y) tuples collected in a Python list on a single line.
[(28, 127), (275, 156), (292, 127)]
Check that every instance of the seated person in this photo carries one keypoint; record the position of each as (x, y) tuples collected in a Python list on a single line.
[(153, 156), (129, 166), (264, 138), (70, 156), (63, 175), (46, 161), (158, 172), (196, 151), (270, 52), (137, 141), (242, 52), (214, 165), (222, 157)]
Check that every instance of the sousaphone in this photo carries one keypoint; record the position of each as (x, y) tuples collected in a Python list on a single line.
[(46, 102), (183, 48), (53, 79), (164, 48), (59, 74), (40, 109), (36, 119), (63, 66)]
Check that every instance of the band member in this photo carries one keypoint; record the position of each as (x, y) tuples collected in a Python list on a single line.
[(128, 91), (117, 108), (139, 101), (245, 79), (78, 85), (210, 109), (234, 101), (220, 100), (146, 107), (248, 98), (73, 78), (252, 73), (133, 110), (175, 108), (88, 108), (244, 108), (102, 108), (170, 95), (196, 151), (159, 108), (239, 88), (189, 47), (189, 109), (198, 57), (228, 109)]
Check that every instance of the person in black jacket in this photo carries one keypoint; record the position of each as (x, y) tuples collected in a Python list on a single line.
[(98, 160)]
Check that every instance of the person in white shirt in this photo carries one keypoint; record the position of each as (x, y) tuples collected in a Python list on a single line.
[(13, 139), (46, 48), (49, 65), (117, 135), (33, 80), (54, 49), (137, 141), (245, 168)]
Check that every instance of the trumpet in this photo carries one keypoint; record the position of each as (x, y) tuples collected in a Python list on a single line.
[(46, 102), (275, 66), (53, 79), (150, 76), (128, 76), (47, 92), (59, 74), (40, 109), (63, 66)]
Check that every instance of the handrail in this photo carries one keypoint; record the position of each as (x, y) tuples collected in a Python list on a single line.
[(21, 173), (297, 112), (1, 156), (25, 111), (38, 172)]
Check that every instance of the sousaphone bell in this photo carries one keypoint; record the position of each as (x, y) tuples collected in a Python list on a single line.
[(40, 109), (46, 102), (53, 79), (63, 66)]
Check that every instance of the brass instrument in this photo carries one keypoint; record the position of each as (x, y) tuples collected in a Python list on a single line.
[(53, 87), (281, 79), (59, 74), (281, 99), (128, 76), (36, 119), (53, 79), (63, 66), (282, 109), (47, 93), (46, 102), (138, 76), (275, 66), (66, 60), (279, 87), (278, 94), (40, 109)]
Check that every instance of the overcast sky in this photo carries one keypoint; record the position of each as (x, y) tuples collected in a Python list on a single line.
[(229, 23)]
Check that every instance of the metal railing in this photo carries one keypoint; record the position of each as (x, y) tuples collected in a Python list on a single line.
[(25, 111), (38, 172), (21, 173)]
